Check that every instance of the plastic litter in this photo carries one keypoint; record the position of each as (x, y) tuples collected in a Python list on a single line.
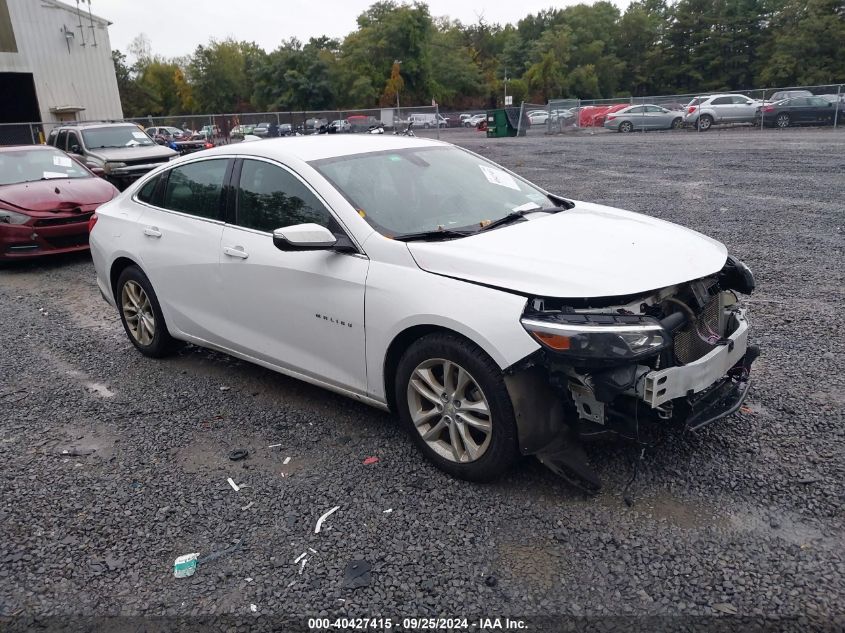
[(357, 574), (323, 518), (224, 388), (299, 558), (223, 552), (274, 446), (248, 506), (312, 550), (287, 461), (238, 454), (232, 483), (302, 565), (185, 565), (253, 608), (370, 460), (388, 511)]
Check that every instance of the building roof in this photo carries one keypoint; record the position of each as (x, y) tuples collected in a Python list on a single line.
[(83, 10)]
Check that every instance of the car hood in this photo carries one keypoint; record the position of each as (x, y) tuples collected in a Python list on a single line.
[(57, 194), (587, 251), (122, 154)]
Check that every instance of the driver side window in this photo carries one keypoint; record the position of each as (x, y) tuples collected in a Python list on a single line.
[(270, 197)]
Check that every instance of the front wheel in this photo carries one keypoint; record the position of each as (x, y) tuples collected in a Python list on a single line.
[(452, 398), (141, 314)]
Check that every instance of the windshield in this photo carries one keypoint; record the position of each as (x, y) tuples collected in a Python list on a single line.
[(119, 136), (30, 165), (428, 189)]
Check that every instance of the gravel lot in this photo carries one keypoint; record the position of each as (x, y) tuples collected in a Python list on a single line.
[(745, 518)]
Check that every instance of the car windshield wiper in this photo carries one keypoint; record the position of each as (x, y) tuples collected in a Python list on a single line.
[(437, 234), (518, 213)]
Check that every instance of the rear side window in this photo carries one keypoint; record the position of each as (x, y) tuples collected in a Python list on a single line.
[(636, 110), (270, 197), (147, 191), (742, 100), (197, 188), (722, 101), (61, 139)]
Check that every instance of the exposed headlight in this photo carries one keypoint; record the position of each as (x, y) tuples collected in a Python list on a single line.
[(108, 167), (10, 217), (598, 337)]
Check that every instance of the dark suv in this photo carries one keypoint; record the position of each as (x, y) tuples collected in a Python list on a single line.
[(120, 152)]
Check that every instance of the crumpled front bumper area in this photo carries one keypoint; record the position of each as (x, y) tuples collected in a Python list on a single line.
[(661, 386)]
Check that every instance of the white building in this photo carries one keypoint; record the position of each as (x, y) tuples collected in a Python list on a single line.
[(55, 63)]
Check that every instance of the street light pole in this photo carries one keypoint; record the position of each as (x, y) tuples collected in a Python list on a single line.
[(398, 62)]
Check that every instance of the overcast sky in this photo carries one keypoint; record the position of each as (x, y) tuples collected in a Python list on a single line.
[(176, 27)]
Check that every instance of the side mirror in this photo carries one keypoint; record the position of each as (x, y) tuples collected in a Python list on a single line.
[(303, 237)]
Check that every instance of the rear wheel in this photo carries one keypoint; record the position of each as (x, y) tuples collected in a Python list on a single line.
[(141, 314), (705, 122), (782, 120), (452, 398), (626, 126)]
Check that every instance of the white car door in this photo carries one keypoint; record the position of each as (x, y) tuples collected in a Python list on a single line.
[(180, 231), (744, 108), (300, 310)]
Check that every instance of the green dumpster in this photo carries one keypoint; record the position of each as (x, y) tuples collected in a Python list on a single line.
[(502, 122)]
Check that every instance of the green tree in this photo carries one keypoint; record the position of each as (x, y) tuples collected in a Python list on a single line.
[(456, 78), (389, 32), (804, 44), (221, 75)]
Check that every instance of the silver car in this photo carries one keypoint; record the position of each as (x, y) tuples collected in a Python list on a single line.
[(644, 117)]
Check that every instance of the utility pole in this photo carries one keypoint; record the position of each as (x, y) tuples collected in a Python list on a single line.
[(505, 102), (399, 63)]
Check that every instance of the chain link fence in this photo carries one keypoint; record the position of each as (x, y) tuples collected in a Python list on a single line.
[(225, 128), (777, 108), (765, 108)]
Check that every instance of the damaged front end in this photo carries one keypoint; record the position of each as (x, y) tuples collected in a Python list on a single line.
[(677, 355)]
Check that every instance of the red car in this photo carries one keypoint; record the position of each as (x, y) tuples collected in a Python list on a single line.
[(46, 201)]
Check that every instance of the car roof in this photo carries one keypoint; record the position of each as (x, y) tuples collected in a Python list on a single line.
[(16, 148), (87, 126), (309, 148)]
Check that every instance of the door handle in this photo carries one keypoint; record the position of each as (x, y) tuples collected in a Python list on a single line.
[(235, 251), (152, 231)]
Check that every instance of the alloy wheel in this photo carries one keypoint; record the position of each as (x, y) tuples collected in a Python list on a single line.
[(138, 312), (449, 410), (704, 123), (783, 120)]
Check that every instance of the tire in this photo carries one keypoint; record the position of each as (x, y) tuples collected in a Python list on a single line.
[(626, 126), (480, 450), (426, 125), (134, 293), (677, 124), (705, 122), (782, 120)]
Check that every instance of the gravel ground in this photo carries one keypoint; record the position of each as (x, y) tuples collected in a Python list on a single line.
[(746, 518)]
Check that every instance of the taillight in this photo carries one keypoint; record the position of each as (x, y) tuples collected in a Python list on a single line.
[(92, 221), (768, 108), (209, 146), (691, 109)]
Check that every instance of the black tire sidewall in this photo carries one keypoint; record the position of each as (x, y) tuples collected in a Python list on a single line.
[(503, 449), (162, 344)]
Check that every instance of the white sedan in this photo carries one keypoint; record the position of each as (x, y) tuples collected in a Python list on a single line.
[(493, 317)]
